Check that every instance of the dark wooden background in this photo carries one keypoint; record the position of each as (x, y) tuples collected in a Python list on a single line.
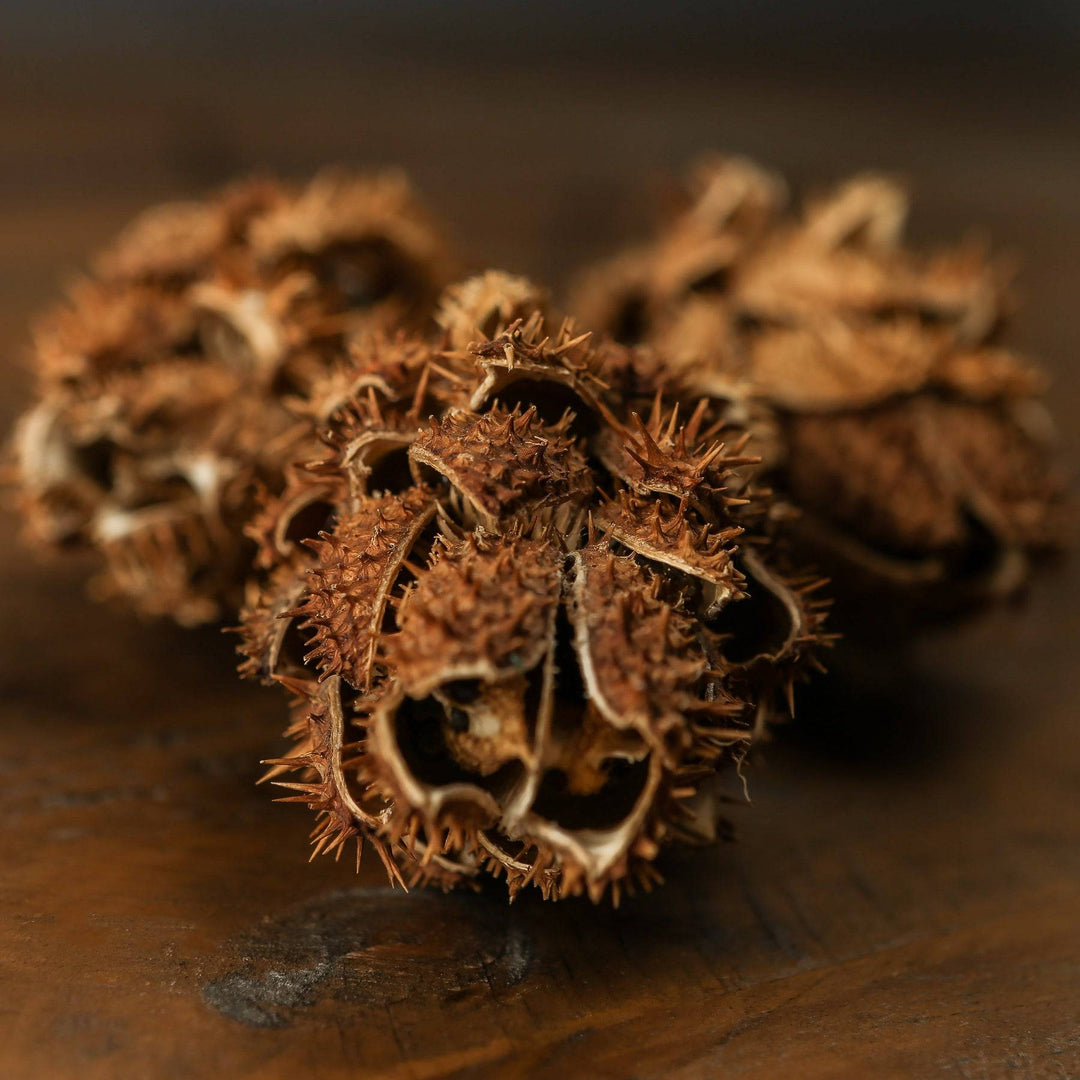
[(904, 896)]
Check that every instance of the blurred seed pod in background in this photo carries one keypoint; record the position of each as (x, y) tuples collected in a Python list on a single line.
[(166, 381), (527, 606), (914, 446)]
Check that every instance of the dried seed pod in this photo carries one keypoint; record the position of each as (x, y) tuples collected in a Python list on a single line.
[(917, 453), (166, 380), (520, 647), (485, 305)]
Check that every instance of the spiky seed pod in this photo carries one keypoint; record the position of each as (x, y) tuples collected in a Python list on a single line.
[(167, 378), (916, 449), (513, 626), (485, 305)]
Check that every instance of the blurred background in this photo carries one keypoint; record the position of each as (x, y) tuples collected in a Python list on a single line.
[(539, 132), (542, 135)]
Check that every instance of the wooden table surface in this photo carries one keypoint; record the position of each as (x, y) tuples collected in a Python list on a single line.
[(903, 899)]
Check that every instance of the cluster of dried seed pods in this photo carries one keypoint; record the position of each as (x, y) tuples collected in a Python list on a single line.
[(532, 589), (164, 379), (915, 448), (534, 609)]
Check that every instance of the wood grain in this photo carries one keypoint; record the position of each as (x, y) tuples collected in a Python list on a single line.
[(904, 896)]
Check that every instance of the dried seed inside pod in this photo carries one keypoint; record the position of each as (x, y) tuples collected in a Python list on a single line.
[(535, 612), (915, 448), (164, 380)]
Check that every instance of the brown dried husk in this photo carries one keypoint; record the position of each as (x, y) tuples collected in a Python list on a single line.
[(915, 449), (166, 379), (527, 608)]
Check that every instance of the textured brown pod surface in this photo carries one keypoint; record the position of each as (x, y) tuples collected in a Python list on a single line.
[(538, 609), (166, 378), (915, 447)]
